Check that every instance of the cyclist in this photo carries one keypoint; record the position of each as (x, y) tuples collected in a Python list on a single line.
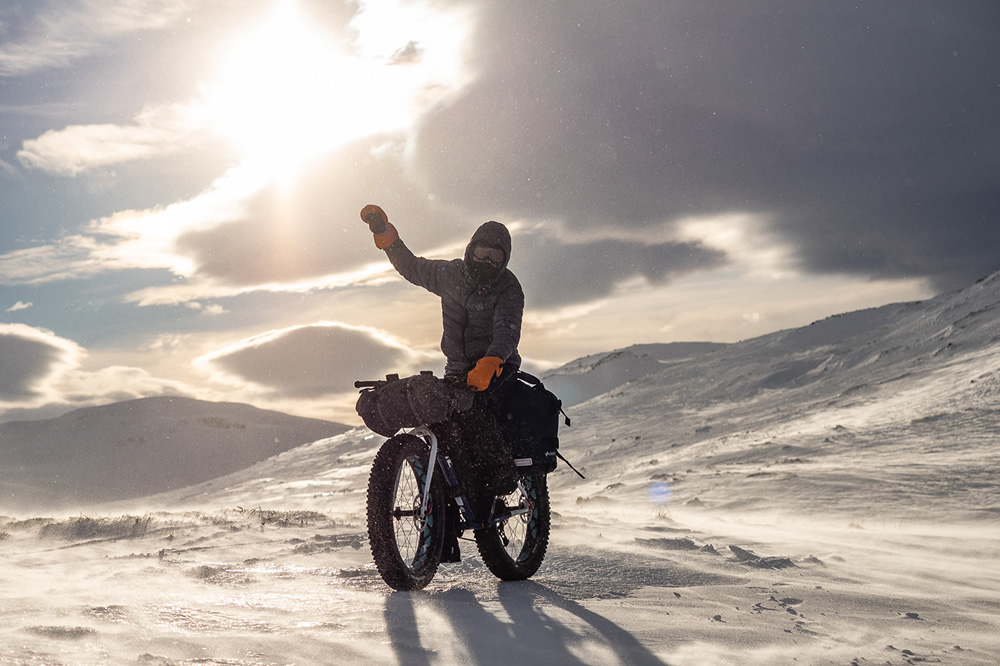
[(482, 304)]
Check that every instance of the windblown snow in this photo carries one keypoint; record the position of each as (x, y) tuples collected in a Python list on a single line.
[(823, 495)]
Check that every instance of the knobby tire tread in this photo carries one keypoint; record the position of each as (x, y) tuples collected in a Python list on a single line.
[(536, 538), (394, 460)]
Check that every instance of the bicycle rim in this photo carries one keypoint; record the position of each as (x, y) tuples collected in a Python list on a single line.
[(514, 547), (412, 532)]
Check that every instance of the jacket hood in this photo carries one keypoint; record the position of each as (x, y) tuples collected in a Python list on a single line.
[(491, 234)]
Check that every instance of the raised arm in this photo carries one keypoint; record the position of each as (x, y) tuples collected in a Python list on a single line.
[(426, 273)]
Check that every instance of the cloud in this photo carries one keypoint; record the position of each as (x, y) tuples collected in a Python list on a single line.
[(785, 115), (314, 360), (305, 235), (115, 383), (209, 310), (61, 33), (241, 234), (747, 241), (41, 373), (67, 259), (305, 229), (20, 305), (246, 231), (33, 360), (866, 134), (157, 131), (556, 273), (129, 239)]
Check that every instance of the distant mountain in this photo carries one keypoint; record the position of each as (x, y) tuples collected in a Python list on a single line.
[(591, 376), (138, 447)]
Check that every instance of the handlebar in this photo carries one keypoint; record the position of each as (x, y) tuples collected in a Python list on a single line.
[(364, 384)]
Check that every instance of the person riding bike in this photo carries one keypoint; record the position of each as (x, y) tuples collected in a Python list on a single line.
[(482, 305)]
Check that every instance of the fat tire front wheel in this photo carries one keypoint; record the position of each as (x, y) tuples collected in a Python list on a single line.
[(514, 548), (406, 547)]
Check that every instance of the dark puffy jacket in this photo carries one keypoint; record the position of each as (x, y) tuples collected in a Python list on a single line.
[(480, 318)]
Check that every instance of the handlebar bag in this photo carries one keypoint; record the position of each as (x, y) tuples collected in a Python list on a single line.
[(410, 402)]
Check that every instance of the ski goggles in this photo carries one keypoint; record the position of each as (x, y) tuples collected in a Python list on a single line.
[(489, 255)]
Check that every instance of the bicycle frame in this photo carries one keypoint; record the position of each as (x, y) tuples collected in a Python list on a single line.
[(451, 478)]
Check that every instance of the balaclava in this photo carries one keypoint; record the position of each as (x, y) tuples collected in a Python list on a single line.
[(490, 234)]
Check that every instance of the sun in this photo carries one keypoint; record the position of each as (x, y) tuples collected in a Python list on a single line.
[(286, 90)]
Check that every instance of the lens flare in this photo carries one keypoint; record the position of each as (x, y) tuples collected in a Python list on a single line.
[(659, 493)]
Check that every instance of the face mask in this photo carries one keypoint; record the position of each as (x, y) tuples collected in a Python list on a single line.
[(482, 272)]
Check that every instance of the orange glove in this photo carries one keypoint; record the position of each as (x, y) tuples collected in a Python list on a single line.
[(378, 222), (486, 369)]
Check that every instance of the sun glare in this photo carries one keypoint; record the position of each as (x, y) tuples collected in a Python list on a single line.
[(286, 91)]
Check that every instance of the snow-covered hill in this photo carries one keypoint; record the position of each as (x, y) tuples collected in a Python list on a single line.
[(903, 389), (138, 447), (590, 376), (823, 495)]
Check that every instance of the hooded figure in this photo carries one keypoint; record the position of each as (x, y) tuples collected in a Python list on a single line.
[(481, 301), (481, 305)]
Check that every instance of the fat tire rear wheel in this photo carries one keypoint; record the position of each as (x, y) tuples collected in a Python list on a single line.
[(514, 548), (406, 548)]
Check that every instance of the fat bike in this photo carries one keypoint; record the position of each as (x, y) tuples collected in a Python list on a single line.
[(418, 510)]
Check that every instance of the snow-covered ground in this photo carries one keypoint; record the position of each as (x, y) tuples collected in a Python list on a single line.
[(825, 495)]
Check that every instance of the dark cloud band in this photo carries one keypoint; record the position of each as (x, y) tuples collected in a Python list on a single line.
[(316, 360), (29, 357)]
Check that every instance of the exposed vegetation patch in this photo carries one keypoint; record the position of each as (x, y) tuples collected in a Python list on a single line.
[(221, 422), (75, 529), (284, 518), (65, 633)]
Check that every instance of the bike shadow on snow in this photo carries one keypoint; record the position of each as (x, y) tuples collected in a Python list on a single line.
[(533, 634)]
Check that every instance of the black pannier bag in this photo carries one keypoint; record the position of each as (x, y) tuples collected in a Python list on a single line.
[(529, 419), (410, 402)]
